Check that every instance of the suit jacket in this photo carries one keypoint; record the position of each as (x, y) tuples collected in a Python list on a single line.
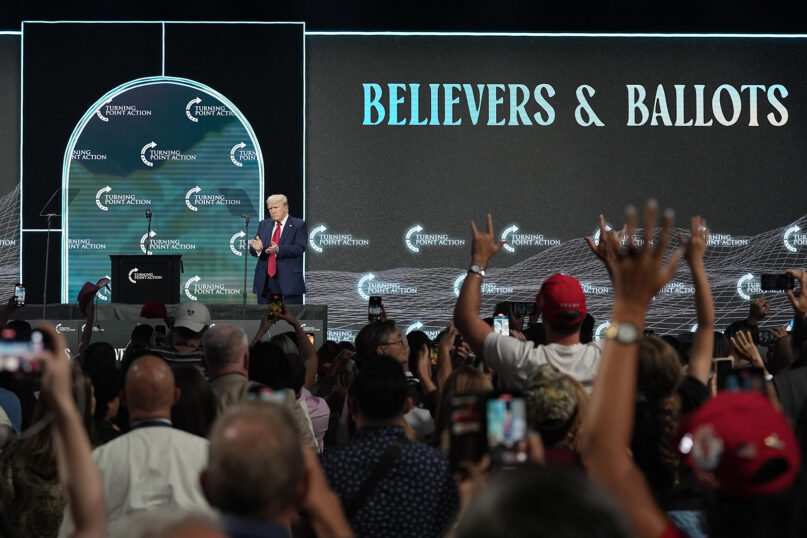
[(291, 246)]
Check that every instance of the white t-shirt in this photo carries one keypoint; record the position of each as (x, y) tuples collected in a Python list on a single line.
[(514, 360), (149, 467)]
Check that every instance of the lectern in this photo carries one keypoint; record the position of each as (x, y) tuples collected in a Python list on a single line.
[(137, 279)]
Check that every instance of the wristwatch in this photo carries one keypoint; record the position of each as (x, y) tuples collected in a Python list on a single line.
[(624, 333), (477, 270)]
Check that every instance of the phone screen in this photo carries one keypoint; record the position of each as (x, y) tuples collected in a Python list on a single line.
[(310, 337), (467, 430), (374, 308), (275, 305), (778, 282), (19, 294), (501, 325), (18, 354), (722, 366), (745, 379), (507, 430)]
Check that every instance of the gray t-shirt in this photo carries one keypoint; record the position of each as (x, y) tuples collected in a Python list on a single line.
[(514, 360)]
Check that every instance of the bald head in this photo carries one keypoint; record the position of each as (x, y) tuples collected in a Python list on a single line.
[(256, 463), (226, 350), (150, 390)]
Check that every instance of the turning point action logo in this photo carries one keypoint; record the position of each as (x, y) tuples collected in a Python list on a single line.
[(525, 240), (194, 288), (107, 110), (488, 288), (793, 239), (163, 244), (318, 239), (367, 286), (747, 286), (194, 110), (194, 199), (239, 155), (415, 238), (103, 198), (242, 244), (135, 275), (149, 154)]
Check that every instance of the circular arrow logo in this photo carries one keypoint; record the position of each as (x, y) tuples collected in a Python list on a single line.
[(188, 109), (235, 148), (236, 251), (414, 327), (188, 195), (131, 275), (143, 242), (148, 146), (360, 286), (744, 285), (408, 240), (194, 278), (458, 284), (601, 329), (787, 241), (98, 195), (508, 231), (319, 229), (98, 112)]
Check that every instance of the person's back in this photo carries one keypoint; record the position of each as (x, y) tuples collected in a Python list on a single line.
[(151, 466), (154, 464), (416, 495)]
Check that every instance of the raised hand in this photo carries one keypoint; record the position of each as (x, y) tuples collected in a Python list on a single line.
[(484, 244), (695, 247), (639, 273), (799, 301), (607, 249)]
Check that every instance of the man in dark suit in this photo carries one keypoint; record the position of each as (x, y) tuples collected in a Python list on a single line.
[(279, 247)]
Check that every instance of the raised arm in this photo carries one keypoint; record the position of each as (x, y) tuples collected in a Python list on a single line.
[(700, 359), (637, 275), (86, 333), (307, 352), (78, 472), (466, 312)]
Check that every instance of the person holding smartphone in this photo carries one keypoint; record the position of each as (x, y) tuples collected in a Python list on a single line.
[(279, 247)]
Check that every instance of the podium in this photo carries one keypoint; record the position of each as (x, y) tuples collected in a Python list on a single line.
[(137, 279)]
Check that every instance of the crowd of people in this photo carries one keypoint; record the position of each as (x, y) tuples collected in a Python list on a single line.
[(208, 431)]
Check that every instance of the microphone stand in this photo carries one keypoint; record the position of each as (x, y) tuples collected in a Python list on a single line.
[(148, 233), (246, 251), (47, 252)]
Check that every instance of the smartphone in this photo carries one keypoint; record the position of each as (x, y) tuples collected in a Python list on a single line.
[(20, 354), (524, 308), (721, 366), (777, 281), (501, 325), (467, 443), (506, 420), (310, 337), (374, 309), (790, 326), (275, 305), (745, 379), (433, 353), (766, 337), (19, 294)]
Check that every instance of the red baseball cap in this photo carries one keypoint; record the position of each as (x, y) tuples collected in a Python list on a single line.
[(561, 300), (153, 310), (740, 446)]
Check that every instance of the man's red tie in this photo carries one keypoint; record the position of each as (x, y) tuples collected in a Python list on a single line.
[(271, 264)]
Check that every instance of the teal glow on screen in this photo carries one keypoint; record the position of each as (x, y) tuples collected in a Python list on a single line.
[(181, 150)]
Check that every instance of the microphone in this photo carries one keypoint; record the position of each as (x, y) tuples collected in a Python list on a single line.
[(246, 216), (148, 214)]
